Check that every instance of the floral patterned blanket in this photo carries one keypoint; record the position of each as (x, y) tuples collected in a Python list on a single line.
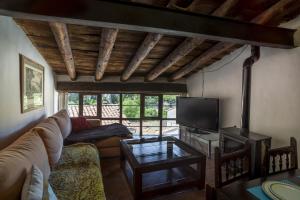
[(78, 175)]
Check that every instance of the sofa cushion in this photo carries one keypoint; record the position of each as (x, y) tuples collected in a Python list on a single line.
[(16, 161), (51, 135), (64, 122), (110, 142), (78, 182), (79, 154), (94, 122), (79, 124)]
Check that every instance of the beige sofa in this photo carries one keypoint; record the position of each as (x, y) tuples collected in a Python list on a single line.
[(73, 171)]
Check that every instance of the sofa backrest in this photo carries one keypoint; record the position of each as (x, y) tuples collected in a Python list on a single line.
[(51, 135), (16, 161), (63, 120)]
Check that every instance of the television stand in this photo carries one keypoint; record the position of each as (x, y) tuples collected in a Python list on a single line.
[(202, 142), (197, 131)]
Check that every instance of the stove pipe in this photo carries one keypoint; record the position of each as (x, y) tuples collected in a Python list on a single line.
[(246, 88)]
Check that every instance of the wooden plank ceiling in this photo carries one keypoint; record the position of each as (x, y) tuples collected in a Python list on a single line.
[(132, 55)]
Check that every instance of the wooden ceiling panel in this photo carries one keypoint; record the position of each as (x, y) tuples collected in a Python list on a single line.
[(84, 37), (191, 56), (36, 28), (83, 30), (52, 55), (287, 14), (89, 62), (130, 36), (43, 42), (214, 59), (50, 52), (85, 53), (84, 46), (168, 42), (165, 45), (85, 40), (207, 6), (42, 37), (124, 48)]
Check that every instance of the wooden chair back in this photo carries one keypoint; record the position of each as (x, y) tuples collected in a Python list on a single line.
[(281, 159), (230, 167), (210, 192)]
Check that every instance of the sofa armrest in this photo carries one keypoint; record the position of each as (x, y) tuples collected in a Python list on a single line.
[(94, 122)]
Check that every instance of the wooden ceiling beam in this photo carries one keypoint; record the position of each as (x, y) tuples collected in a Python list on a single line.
[(108, 38), (130, 16), (60, 33), (221, 47), (179, 52), (118, 87), (149, 42), (173, 5), (187, 45), (270, 13)]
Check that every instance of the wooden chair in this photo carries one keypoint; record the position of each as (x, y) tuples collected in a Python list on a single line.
[(210, 192), (280, 159), (230, 167)]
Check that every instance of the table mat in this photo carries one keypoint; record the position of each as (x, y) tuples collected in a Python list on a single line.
[(258, 192)]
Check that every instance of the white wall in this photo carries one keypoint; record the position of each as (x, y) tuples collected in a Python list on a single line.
[(13, 42), (275, 98)]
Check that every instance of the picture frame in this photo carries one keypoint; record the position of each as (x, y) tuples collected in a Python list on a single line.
[(31, 85)]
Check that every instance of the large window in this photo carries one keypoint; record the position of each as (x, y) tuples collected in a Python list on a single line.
[(131, 104), (73, 104), (89, 105), (169, 126), (151, 127), (131, 112), (151, 107), (169, 106), (143, 114), (111, 106), (133, 125)]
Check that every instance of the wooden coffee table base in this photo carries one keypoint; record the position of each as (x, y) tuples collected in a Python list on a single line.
[(162, 177)]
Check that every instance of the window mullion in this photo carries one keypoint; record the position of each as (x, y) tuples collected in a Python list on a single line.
[(160, 105), (99, 105), (80, 104), (121, 108)]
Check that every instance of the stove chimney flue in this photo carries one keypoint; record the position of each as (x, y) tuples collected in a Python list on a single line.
[(246, 88)]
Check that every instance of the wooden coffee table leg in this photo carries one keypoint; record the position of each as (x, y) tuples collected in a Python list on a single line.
[(137, 184)]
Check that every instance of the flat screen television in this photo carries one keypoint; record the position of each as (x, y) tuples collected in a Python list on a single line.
[(199, 113)]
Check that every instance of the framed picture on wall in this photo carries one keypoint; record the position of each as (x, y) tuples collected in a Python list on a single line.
[(31, 85)]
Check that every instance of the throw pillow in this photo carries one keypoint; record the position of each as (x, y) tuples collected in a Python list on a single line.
[(79, 124), (34, 185)]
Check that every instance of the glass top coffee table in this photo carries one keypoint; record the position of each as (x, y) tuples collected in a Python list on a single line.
[(161, 165)]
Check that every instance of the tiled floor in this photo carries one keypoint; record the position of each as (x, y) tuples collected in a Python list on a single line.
[(116, 187)]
